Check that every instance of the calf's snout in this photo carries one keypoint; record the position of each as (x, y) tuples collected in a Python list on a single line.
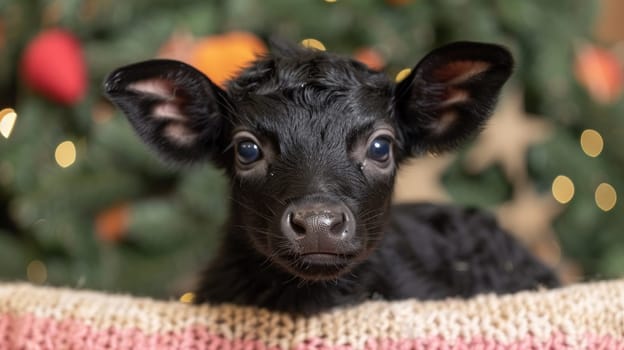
[(320, 226)]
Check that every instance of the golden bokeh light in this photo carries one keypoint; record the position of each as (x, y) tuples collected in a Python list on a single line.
[(331, 1), (562, 189), (591, 142), (402, 74), (65, 154), (187, 298), (7, 121), (313, 44), (605, 196), (36, 272)]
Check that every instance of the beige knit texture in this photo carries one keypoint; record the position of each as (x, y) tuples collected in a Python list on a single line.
[(593, 308)]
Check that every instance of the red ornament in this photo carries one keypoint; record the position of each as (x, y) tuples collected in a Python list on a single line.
[(370, 57), (600, 72), (53, 65)]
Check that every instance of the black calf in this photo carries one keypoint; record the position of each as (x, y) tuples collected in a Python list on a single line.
[(311, 142)]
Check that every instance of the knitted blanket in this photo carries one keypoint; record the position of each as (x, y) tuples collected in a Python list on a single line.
[(584, 316)]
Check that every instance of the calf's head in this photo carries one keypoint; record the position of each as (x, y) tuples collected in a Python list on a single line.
[(311, 141)]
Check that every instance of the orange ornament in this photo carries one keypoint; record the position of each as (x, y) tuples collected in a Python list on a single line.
[(112, 223), (600, 72), (222, 57), (370, 57)]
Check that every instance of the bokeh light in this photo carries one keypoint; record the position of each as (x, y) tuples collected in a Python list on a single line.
[(402, 74), (563, 189), (65, 154), (591, 142), (313, 44), (7, 121), (605, 196), (37, 272), (187, 298)]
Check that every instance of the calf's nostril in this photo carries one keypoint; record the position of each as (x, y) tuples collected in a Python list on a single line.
[(338, 225), (297, 223)]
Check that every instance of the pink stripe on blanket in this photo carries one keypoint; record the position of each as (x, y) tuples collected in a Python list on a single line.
[(30, 332), (41, 333)]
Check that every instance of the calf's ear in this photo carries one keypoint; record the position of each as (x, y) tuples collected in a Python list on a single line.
[(449, 95), (173, 107)]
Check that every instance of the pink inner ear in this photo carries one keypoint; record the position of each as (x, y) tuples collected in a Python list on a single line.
[(157, 87), (459, 71), (444, 122), (168, 110), (180, 134), (165, 91), (454, 96)]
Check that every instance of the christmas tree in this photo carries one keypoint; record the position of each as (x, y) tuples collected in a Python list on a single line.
[(83, 203)]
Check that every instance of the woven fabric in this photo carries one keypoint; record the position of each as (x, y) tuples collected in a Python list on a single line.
[(584, 316)]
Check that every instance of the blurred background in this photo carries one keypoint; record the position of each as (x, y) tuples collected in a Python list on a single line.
[(84, 204)]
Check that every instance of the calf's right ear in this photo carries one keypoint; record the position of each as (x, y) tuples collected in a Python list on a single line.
[(173, 107), (450, 94)]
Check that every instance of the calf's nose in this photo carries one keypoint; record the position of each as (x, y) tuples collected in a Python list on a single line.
[(319, 226)]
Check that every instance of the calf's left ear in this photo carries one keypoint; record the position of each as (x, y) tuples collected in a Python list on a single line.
[(449, 95), (173, 107)]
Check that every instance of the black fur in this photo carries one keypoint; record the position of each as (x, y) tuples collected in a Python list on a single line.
[(428, 252), (314, 117)]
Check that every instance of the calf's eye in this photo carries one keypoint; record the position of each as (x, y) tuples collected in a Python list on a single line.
[(248, 152), (379, 149)]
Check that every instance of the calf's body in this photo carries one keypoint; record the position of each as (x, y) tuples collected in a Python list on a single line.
[(311, 143), (428, 252)]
